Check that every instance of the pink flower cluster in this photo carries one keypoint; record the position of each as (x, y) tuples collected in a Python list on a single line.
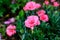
[(42, 15), (32, 21), (11, 30), (31, 6)]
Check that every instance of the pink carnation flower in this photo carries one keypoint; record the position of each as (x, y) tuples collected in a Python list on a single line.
[(46, 2), (32, 21), (41, 12), (53, 0), (55, 4), (44, 18), (31, 6), (11, 30)]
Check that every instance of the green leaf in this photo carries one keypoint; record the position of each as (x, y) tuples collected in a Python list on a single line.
[(2, 30), (21, 13), (1, 14), (14, 7), (19, 27)]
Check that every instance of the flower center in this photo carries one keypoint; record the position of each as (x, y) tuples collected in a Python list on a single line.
[(31, 22)]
